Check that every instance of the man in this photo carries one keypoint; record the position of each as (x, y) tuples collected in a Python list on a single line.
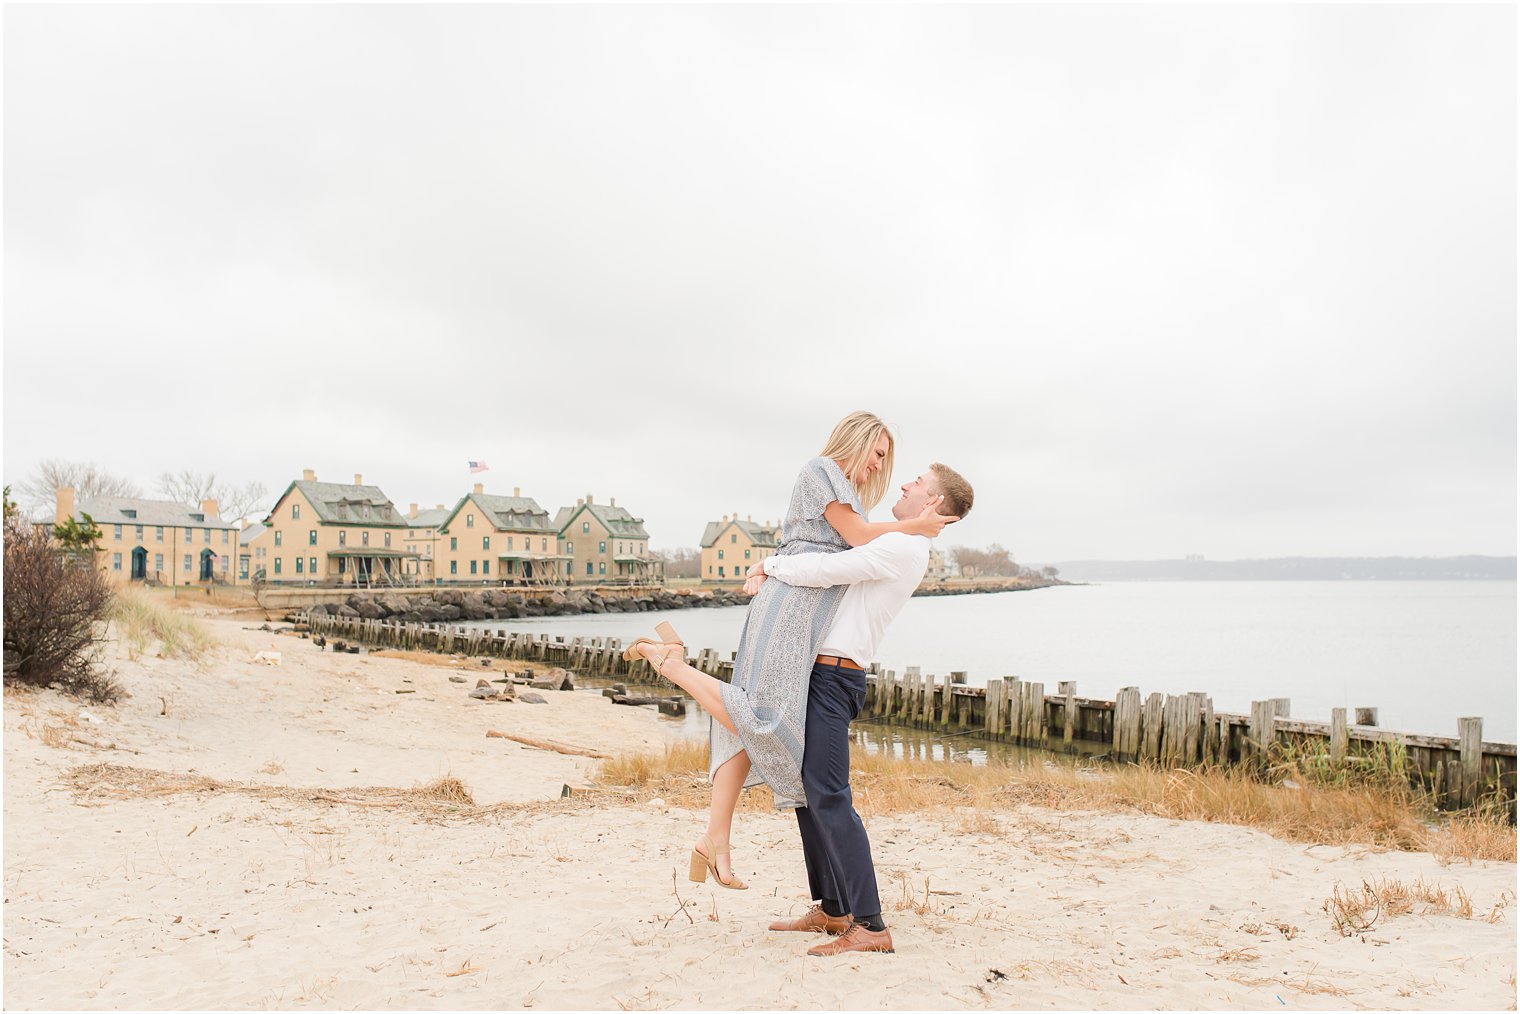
[(882, 575)]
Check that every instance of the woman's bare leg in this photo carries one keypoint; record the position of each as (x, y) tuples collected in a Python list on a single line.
[(727, 784), (702, 687)]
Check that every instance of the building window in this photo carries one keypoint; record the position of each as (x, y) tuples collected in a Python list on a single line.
[(139, 533), (364, 538), (453, 566), (187, 561), (453, 543), (279, 537), (545, 546), (570, 547), (485, 542), (588, 568), (485, 566), (300, 564), (158, 563), (601, 568), (224, 536), (509, 544), (189, 534), (160, 533), (601, 547), (224, 564), (746, 554), (295, 512), (117, 535), (720, 571), (720, 554), (130, 513), (312, 565), (116, 560), (387, 538), (311, 537), (585, 527), (709, 570), (472, 566), (469, 521), (732, 539), (342, 538), (277, 562)]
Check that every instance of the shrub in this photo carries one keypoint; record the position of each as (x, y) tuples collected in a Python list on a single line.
[(54, 602), (142, 617)]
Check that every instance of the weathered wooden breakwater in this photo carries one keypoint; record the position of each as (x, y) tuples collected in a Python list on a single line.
[(1173, 730)]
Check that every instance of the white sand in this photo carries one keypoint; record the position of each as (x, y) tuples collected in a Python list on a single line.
[(226, 900)]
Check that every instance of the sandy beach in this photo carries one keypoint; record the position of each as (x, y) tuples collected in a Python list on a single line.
[(277, 879)]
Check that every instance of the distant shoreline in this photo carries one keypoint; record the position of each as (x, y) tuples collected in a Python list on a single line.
[(1296, 568)]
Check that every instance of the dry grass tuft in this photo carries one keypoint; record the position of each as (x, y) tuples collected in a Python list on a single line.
[(1376, 815), (94, 783), (1355, 910), (141, 617)]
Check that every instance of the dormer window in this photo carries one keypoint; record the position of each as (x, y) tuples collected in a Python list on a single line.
[(364, 510), (130, 513), (342, 510), (197, 517)]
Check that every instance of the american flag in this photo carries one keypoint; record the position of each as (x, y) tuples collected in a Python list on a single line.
[(478, 466)]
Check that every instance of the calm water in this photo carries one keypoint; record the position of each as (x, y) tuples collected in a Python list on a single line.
[(1423, 652)]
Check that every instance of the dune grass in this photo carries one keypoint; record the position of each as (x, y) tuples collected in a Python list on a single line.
[(1379, 815), (142, 618)]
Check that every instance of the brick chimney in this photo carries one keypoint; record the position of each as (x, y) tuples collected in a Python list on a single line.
[(517, 491), (358, 479), (412, 511), (208, 508), (243, 524), (439, 507), (588, 498), (65, 504), (725, 519), (307, 475), (480, 487), (579, 502), (612, 501)]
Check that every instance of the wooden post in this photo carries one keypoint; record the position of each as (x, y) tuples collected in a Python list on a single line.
[(1366, 716), (989, 712), (1041, 717), (1339, 740), (1470, 746), (947, 702), (1210, 733), (1194, 718), (1151, 725), (1068, 690)]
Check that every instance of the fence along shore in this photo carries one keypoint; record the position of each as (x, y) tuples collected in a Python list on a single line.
[(1171, 730)]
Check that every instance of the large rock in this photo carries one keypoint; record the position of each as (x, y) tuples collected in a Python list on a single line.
[(532, 698), (370, 610), (320, 609), (475, 607), (447, 613), (346, 610), (553, 679), (393, 603), (449, 597)]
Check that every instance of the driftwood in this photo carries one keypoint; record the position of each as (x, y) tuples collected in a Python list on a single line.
[(544, 744)]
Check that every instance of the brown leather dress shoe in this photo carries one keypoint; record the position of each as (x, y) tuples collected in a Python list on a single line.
[(815, 921), (856, 938)]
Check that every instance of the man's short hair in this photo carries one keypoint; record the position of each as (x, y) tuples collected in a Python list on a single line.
[(955, 489)]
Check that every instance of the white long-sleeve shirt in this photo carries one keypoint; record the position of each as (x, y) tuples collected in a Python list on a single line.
[(882, 575)]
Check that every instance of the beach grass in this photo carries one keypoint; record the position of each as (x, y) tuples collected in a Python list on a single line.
[(1380, 813), (142, 618)]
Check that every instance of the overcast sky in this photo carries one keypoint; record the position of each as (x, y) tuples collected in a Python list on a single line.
[(1237, 281)]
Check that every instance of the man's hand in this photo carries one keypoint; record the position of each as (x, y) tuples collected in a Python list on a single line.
[(754, 578)]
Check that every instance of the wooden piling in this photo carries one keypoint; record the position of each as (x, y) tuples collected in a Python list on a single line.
[(1470, 751), (1068, 691), (1338, 737)]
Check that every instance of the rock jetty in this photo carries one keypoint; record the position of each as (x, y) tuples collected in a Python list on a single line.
[(449, 604)]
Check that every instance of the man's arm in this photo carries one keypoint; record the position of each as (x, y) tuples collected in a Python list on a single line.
[(876, 560)]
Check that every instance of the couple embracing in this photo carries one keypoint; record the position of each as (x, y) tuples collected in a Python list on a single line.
[(821, 605)]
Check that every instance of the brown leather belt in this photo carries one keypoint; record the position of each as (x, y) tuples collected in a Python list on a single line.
[(843, 663)]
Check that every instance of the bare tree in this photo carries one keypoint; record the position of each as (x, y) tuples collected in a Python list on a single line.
[(188, 486), (680, 562), (38, 493), (994, 561)]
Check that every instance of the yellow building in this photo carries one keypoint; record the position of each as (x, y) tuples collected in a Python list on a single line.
[(336, 533), (604, 544), (503, 539), (253, 551), (157, 541), (422, 541), (730, 546)]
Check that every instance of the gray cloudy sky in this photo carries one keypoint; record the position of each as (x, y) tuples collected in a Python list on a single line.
[(1238, 281)]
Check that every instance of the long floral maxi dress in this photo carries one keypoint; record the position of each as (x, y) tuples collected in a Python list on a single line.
[(767, 699)]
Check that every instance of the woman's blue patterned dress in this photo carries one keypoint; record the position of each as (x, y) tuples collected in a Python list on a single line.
[(767, 699)]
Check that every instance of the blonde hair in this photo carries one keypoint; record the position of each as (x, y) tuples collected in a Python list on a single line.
[(853, 442)]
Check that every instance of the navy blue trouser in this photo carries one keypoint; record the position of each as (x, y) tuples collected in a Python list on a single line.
[(834, 842)]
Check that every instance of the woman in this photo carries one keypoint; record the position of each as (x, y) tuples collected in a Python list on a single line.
[(760, 717)]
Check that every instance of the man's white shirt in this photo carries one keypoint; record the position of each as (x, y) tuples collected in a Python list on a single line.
[(882, 575)]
